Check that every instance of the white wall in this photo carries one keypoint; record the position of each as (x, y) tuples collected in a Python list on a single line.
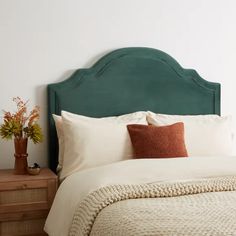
[(43, 41)]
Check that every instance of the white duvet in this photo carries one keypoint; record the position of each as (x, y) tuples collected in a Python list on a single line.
[(77, 186)]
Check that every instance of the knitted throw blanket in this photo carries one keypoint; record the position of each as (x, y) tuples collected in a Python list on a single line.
[(180, 198)]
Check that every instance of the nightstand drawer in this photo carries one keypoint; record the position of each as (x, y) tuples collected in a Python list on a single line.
[(24, 227), (21, 185), (23, 196)]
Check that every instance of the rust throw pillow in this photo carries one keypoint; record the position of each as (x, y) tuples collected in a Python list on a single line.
[(158, 141)]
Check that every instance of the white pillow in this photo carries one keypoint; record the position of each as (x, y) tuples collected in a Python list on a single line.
[(209, 135), (91, 142), (60, 136)]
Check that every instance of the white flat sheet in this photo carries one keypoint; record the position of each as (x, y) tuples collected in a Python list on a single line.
[(75, 187)]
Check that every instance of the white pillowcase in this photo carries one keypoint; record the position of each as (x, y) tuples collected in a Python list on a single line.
[(60, 136), (91, 142), (205, 135)]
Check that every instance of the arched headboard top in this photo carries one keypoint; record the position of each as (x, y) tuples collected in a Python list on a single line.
[(128, 80)]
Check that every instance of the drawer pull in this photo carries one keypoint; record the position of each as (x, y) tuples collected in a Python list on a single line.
[(23, 216), (23, 186)]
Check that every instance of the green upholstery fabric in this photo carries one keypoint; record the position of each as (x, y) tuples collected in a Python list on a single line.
[(128, 80)]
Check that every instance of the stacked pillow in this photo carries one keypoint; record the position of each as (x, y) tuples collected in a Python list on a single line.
[(86, 142), (205, 135)]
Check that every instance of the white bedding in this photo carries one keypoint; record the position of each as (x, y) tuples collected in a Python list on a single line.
[(75, 187)]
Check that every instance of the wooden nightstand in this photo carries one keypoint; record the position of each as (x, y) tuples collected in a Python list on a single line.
[(25, 201)]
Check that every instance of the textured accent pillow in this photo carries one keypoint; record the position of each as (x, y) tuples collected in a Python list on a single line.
[(91, 142), (205, 135), (158, 142)]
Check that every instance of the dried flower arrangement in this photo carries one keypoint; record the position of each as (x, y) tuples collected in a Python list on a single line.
[(21, 124)]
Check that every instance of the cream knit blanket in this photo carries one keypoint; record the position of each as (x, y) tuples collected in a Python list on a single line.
[(206, 207)]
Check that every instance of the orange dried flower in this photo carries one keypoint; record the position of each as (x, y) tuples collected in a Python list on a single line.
[(21, 124)]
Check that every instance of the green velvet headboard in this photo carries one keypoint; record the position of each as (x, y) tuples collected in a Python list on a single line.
[(128, 80)]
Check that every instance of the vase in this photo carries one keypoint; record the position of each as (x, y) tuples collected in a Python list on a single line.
[(21, 155)]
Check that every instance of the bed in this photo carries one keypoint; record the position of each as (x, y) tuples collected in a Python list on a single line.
[(144, 196)]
